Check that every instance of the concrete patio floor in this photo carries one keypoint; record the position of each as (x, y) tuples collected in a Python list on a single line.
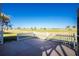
[(35, 47)]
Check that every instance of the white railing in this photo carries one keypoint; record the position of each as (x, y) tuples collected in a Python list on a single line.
[(21, 36), (66, 38)]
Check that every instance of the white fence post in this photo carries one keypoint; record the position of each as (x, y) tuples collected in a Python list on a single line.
[(75, 36)]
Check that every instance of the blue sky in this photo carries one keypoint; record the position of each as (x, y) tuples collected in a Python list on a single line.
[(41, 15)]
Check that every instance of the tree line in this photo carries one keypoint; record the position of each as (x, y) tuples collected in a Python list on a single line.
[(35, 28)]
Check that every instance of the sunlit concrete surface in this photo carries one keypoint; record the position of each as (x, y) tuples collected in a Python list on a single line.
[(59, 52)]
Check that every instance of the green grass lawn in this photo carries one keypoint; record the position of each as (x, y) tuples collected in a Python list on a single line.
[(7, 35)]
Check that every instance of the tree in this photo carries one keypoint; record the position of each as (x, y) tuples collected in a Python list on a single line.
[(73, 26), (44, 28), (68, 27), (35, 28), (31, 28), (18, 27)]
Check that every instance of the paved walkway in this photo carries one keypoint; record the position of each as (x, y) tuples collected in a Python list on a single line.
[(35, 47)]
